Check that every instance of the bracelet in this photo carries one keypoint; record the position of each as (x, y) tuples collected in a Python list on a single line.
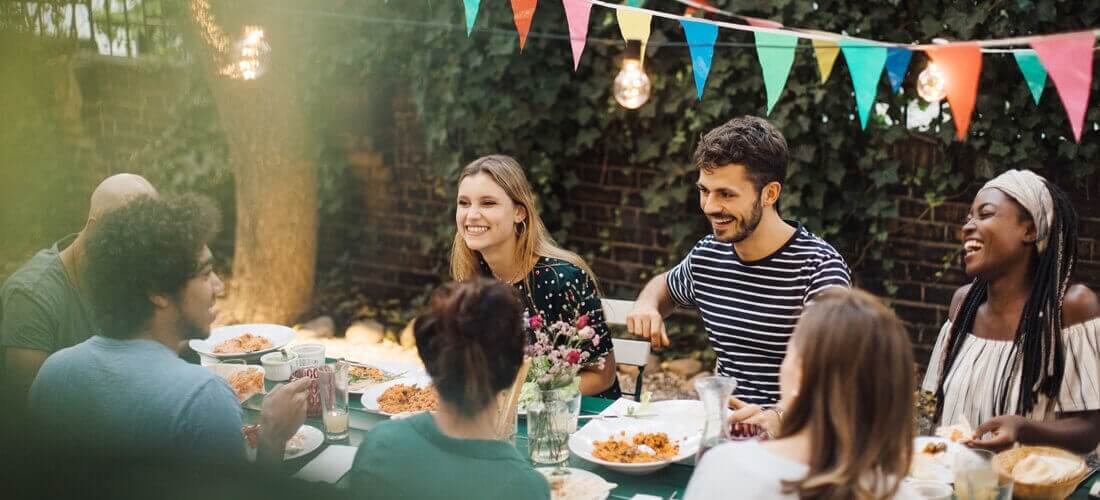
[(778, 411)]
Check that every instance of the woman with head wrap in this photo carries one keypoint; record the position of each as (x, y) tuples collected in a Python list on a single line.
[(1019, 356)]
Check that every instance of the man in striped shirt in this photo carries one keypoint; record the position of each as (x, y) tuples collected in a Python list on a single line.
[(752, 277)]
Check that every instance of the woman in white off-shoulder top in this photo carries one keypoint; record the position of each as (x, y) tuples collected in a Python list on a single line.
[(1019, 356)]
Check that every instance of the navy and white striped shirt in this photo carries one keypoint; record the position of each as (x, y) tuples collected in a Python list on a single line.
[(749, 309)]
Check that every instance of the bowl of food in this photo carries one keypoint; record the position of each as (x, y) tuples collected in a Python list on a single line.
[(247, 342), (634, 446), (403, 395), (933, 459), (577, 484), (1041, 471)]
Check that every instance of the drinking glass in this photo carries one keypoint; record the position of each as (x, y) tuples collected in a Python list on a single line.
[(309, 355), (975, 478), (332, 383)]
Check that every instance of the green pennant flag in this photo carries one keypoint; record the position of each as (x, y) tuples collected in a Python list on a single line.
[(865, 63), (1034, 72), (472, 7), (776, 54)]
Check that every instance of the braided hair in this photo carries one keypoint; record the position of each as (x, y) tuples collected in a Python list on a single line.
[(1037, 348)]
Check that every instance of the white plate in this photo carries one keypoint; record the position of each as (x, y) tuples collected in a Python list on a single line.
[(934, 467), (225, 370), (312, 438), (580, 485), (370, 395), (405, 370), (581, 442), (279, 336)]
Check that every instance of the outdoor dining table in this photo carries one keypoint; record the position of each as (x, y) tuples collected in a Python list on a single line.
[(669, 482), (664, 483)]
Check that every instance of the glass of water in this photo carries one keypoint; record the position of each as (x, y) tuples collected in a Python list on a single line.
[(976, 479)]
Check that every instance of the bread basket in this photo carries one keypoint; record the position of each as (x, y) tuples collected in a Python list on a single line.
[(1005, 461)]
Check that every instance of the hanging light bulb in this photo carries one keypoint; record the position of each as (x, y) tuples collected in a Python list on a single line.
[(251, 55), (932, 84), (632, 84)]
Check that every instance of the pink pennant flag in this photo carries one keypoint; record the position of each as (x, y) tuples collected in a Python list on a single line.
[(1068, 60), (576, 15), (522, 12)]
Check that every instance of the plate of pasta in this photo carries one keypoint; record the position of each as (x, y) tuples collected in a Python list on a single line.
[(243, 341), (403, 395), (634, 446)]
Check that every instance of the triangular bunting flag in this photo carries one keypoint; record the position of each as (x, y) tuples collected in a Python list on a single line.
[(961, 65), (897, 63), (635, 3), (865, 63), (522, 12), (1068, 59), (1034, 73), (826, 53), (690, 11), (634, 25), (776, 54), (700, 39), (472, 7), (576, 15)]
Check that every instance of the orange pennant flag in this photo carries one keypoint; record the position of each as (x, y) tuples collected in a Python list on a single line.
[(961, 65), (522, 12)]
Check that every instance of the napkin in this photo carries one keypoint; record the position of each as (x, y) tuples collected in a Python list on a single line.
[(329, 466)]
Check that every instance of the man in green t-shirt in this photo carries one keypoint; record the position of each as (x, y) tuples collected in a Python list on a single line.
[(42, 306)]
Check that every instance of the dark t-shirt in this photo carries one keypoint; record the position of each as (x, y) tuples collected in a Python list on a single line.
[(40, 309), (561, 291)]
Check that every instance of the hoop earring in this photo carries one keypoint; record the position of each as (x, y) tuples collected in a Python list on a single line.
[(521, 227)]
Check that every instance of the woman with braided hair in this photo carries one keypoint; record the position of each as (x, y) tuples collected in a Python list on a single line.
[(1019, 355)]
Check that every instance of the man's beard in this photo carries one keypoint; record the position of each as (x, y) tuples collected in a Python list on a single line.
[(188, 329), (745, 230)]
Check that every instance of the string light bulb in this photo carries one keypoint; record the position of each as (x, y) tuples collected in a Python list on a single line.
[(632, 84), (251, 54), (932, 84)]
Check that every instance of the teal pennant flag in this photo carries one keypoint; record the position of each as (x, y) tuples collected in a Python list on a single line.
[(472, 7), (897, 64), (700, 39), (776, 54), (1034, 72), (865, 63)]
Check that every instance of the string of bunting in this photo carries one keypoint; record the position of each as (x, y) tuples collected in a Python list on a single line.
[(1065, 57)]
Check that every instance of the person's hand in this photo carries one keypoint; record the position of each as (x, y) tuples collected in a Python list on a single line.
[(646, 321), (1005, 432), (284, 411), (745, 413)]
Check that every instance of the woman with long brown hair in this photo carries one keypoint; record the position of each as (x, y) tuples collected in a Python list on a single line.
[(847, 388), (499, 234)]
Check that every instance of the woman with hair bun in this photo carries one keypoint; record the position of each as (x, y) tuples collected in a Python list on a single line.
[(471, 341)]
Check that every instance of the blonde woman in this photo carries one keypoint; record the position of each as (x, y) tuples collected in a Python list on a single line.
[(847, 432), (499, 234)]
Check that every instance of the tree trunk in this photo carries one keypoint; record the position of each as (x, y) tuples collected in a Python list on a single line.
[(269, 149)]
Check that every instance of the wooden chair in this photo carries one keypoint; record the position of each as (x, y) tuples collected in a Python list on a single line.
[(627, 352)]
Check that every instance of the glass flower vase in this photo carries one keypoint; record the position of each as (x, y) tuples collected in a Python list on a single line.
[(551, 418)]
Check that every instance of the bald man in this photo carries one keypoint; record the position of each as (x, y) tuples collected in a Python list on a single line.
[(42, 306)]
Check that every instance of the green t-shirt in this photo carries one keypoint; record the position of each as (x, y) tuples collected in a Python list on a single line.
[(411, 458), (40, 309)]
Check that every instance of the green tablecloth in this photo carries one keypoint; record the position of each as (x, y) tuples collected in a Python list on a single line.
[(664, 483)]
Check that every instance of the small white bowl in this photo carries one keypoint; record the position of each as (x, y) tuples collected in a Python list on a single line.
[(277, 367)]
